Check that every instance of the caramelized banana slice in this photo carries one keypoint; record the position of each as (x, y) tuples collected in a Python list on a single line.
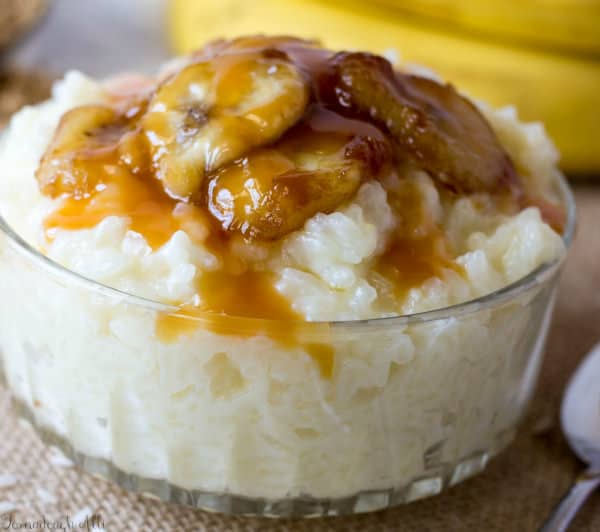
[(430, 123), (315, 168), (212, 112), (267, 195), (83, 134)]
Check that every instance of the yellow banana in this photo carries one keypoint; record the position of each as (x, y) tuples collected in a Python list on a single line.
[(560, 25), (561, 89)]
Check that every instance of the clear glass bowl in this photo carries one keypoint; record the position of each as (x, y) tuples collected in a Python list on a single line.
[(354, 417)]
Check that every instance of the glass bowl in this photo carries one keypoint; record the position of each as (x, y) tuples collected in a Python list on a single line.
[(229, 415)]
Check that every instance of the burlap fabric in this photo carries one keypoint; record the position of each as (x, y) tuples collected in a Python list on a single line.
[(18, 17), (516, 492), (18, 88)]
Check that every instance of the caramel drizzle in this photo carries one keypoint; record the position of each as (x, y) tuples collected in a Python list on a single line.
[(132, 191)]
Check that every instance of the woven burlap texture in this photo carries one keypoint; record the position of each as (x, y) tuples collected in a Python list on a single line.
[(516, 492)]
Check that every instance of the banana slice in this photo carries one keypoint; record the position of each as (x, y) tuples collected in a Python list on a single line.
[(430, 123), (214, 111), (315, 168), (82, 135)]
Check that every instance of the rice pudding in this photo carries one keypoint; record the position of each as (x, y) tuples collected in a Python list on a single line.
[(251, 245)]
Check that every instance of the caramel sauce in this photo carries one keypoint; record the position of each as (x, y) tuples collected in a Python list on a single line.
[(111, 167), (247, 295), (418, 250), (119, 193), (287, 334), (409, 262)]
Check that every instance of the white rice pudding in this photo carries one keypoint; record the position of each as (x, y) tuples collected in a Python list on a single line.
[(379, 407)]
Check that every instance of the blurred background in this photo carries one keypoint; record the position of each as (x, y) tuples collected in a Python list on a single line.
[(541, 55)]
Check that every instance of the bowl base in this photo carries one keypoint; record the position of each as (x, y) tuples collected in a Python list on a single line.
[(433, 483)]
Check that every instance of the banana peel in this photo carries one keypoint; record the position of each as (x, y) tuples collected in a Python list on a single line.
[(558, 88), (571, 26)]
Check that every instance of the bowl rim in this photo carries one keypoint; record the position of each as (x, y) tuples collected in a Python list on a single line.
[(535, 278)]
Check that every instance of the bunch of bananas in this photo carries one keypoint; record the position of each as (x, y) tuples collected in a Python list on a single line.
[(542, 56)]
